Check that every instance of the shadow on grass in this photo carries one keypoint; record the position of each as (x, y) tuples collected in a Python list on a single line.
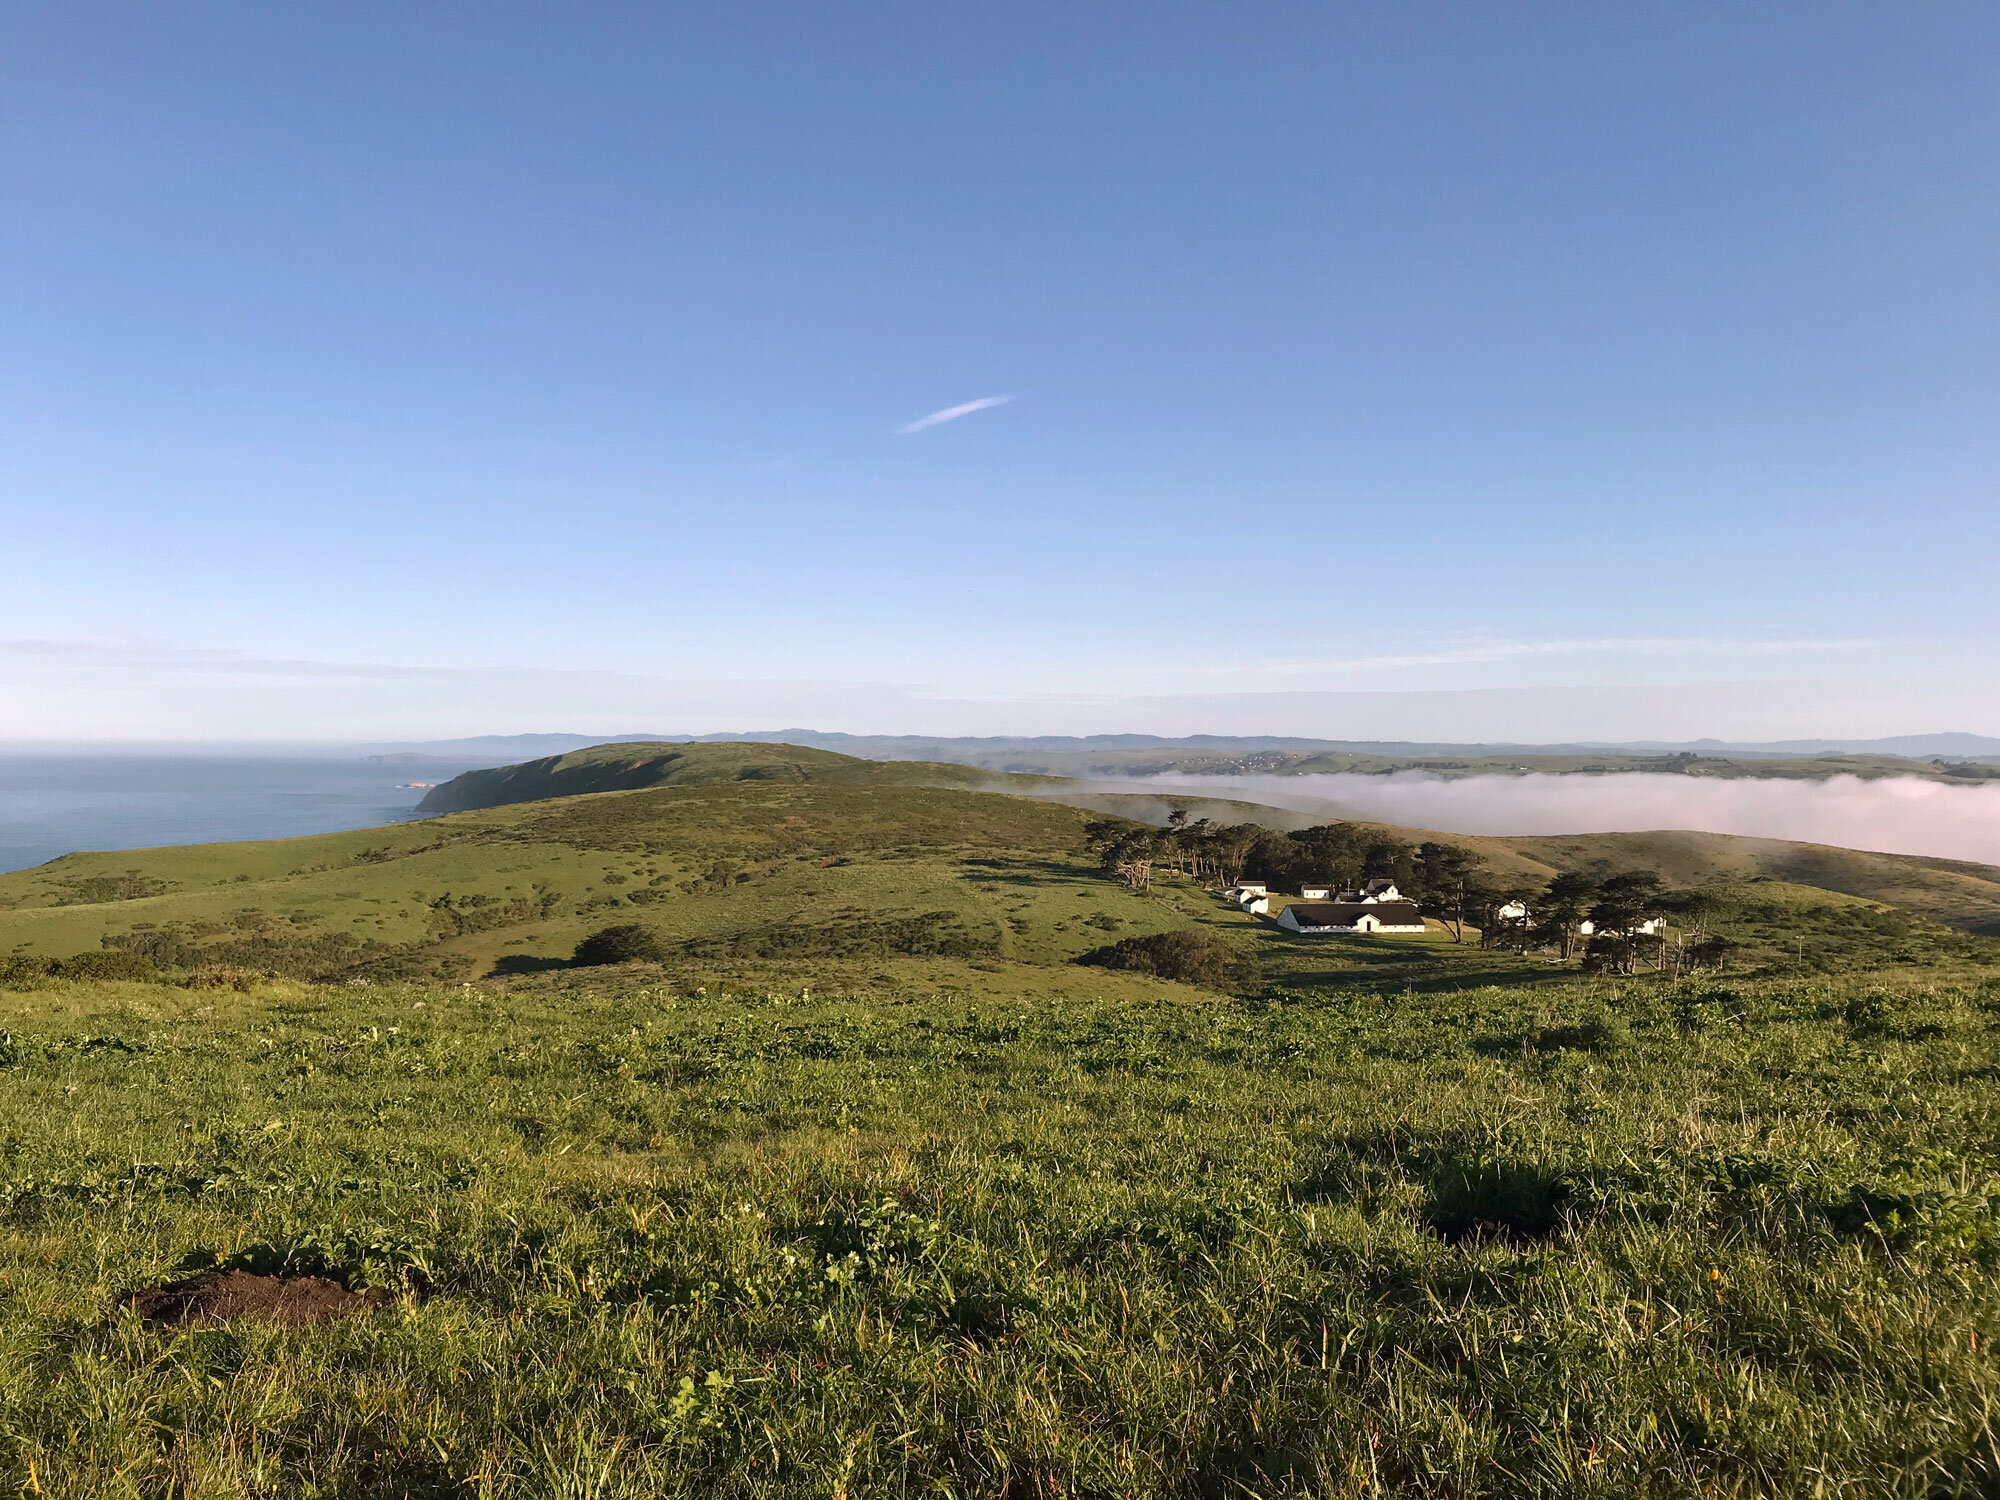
[(1380, 979), (1022, 871), (524, 963)]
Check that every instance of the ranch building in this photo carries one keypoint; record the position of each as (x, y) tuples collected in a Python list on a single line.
[(1352, 916)]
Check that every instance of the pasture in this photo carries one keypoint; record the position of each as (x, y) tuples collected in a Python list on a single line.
[(935, 1226)]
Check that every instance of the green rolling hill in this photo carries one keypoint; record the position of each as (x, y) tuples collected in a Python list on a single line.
[(770, 854), (643, 764)]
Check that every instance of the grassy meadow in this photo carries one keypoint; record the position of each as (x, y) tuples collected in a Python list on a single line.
[(868, 1189), (930, 1227)]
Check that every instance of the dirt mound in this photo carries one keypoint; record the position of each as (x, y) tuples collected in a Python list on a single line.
[(223, 1296)]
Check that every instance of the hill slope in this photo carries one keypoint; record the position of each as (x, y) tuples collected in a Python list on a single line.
[(746, 869), (633, 766), (1956, 892), (756, 858)]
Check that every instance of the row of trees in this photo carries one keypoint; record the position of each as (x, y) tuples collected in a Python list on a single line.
[(1618, 908), (1445, 881)]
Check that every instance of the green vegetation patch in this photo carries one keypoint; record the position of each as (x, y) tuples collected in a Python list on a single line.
[(1191, 957), (942, 1231), (851, 934)]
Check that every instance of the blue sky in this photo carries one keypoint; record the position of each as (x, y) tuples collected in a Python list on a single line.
[(1466, 371)]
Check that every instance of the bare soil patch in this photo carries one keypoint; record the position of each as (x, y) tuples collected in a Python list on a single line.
[(226, 1296)]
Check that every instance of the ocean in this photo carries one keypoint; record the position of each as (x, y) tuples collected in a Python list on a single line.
[(55, 804)]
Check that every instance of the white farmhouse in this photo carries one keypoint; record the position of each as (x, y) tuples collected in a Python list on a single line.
[(1513, 911), (1351, 917), (1644, 929), (1316, 890), (1371, 894)]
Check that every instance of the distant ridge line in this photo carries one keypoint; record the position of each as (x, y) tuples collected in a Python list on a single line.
[(928, 747)]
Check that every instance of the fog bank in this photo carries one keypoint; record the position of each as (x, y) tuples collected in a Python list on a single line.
[(1901, 815)]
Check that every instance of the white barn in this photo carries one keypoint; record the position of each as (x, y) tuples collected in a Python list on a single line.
[(1352, 917), (1371, 894), (1645, 929)]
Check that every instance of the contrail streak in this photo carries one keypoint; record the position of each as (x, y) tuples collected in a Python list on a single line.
[(953, 413)]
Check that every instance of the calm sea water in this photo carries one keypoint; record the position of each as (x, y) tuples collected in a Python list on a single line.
[(51, 805)]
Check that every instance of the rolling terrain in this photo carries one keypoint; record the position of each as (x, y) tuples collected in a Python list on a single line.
[(747, 854), (1933, 757), (864, 1186), (637, 765), (1957, 893)]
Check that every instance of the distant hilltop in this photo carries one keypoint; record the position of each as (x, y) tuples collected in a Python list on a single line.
[(977, 749), (1948, 757)]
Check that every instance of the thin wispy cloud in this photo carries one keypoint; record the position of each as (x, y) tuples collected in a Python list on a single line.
[(953, 413)]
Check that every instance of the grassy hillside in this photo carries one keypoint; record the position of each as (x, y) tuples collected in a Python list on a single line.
[(846, 872), (1957, 893), (866, 1188), (940, 1234), (452, 895), (630, 767)]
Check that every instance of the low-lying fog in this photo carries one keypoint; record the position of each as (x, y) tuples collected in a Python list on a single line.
[(1897, 816)]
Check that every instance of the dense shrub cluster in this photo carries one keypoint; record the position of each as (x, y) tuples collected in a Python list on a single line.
[(27, 968), (625, 943), (89, 890), (1190, 957)]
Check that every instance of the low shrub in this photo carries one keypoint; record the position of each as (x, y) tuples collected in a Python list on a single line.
[(25, 968), (1190, 957), (109, 964), (622, 943), (1599, 1031)]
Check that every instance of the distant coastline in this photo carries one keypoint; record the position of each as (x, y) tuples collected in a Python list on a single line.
[(51, 805)]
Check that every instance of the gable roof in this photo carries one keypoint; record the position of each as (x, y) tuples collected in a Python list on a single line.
[(1347, 913)]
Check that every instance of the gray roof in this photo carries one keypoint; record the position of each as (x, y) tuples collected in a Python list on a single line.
[(1347, 913)]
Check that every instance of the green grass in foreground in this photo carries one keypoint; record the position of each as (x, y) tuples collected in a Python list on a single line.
[(927, 1230)]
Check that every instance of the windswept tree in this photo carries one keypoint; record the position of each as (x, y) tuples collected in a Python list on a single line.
[(1184, 843), (1228, 847), (1625, 903), (1496, 931), (1385, 859), (1450, 884), (1560, 910), (1125, 850), (1691, 912), (1333, 852), (1712, 952)]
